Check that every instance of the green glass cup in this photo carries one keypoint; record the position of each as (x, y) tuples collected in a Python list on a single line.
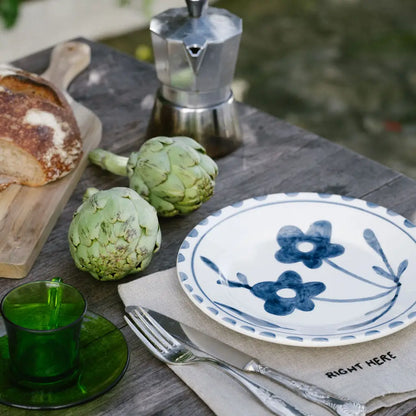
[(43, 322)]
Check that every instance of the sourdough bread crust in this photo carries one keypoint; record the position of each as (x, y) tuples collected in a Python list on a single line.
[(36, 118)]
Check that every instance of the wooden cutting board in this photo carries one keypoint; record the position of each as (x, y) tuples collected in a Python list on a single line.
[(27, 215)]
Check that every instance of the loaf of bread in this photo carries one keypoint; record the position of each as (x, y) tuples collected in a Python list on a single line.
[(39, 137)]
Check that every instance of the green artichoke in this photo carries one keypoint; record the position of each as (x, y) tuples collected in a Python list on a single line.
[(173, 173), (113, 233)]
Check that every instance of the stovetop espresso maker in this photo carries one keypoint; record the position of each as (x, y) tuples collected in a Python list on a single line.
[(195, 50)]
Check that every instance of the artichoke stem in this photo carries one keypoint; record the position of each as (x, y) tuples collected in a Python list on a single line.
[(109, 161), (88, 193)]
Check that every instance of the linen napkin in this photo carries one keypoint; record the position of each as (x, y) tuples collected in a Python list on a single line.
[(378, 373)]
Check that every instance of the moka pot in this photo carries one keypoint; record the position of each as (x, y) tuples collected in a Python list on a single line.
[(195, 50)]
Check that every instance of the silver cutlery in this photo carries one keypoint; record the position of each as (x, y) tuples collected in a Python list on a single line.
[(217, 349), (169, 350)]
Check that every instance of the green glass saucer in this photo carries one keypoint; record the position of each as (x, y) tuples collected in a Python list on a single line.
[(104, 359)]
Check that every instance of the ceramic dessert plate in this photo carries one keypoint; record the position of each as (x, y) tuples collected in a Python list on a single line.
[(103, 361), (303, 269)]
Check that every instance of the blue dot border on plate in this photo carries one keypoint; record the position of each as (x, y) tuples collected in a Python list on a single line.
[(303, 269)]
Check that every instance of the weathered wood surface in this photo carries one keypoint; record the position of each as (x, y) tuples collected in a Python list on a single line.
[(27, 215), (275, 157)]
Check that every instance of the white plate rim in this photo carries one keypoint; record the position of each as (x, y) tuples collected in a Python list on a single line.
[(190, 286)]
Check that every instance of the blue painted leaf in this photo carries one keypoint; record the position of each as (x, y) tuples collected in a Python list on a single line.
[(213, 267), (402, 267), (372, 241), (210, 264), (383, 273), (242, 278)]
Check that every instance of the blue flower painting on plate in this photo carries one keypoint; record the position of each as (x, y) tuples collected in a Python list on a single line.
[(337, 266), (312, 248), (281, 297)]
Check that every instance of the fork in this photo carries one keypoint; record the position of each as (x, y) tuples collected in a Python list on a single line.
[(168, 349)]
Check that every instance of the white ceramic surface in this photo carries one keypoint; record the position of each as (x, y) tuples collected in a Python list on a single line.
[(303, 269)]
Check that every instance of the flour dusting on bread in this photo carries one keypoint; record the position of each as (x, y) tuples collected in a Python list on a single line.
[(39, 137)]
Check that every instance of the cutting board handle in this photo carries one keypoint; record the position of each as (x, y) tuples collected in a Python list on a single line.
[(67, 61)]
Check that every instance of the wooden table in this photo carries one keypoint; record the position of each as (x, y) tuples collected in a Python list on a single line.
[(275, 157)]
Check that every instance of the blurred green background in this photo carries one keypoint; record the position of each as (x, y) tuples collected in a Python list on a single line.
[(344, 69)]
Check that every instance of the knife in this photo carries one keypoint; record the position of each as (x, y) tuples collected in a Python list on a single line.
[(217, 349)]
